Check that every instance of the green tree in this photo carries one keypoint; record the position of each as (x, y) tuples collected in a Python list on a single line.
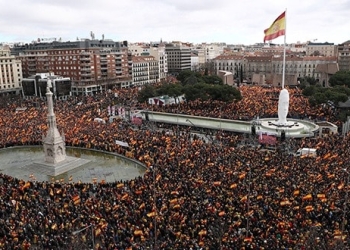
[(308, 80), (335, 96), (212, 79), (192, 79), (320, 98), (309, 90), (195, 91), (145, 93), (214, 92), (171, 90), (183, 75), (340, 78), (342, 89)]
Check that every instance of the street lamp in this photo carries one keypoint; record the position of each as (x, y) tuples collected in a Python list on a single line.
[(188, 120), (92, 233)]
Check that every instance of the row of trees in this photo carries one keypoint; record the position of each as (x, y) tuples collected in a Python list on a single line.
[(320, 95), (194, 86), (339, 91)]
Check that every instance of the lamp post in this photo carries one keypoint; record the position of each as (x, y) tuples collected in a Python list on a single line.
[(188, 120), (92, 233)]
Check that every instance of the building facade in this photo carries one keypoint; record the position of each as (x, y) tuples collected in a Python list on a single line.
[(160, 55), (179, 57), (269, 69), (10, 73), (93, 63), (320, 49), (343, 53), (145, 70)]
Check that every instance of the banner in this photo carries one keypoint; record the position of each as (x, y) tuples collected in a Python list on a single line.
[(121, 143)]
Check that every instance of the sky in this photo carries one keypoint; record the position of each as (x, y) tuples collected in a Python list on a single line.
[(194, 21)]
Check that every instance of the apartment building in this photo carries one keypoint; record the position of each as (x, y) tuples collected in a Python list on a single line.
[(320, 49), (343, 53), (10, 72), (160, 55), (179, 57), (207, 52), (145, 70), (139, 49), (90, 64)]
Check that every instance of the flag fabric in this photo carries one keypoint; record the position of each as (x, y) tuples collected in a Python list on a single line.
[(277, 28)]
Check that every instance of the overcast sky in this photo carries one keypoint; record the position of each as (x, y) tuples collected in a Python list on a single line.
[(196, 21)]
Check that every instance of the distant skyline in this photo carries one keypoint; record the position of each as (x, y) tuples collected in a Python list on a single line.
[(194, 21)]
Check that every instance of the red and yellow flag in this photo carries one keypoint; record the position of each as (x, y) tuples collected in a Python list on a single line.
[(277, 28)]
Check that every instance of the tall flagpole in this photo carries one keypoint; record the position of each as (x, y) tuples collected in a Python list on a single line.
[(284, 52)]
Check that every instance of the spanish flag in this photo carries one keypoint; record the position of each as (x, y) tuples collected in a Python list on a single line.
[(307, 197), (76, 199), (277, 28)]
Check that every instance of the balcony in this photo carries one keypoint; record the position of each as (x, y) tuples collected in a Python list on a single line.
[(85, 59)]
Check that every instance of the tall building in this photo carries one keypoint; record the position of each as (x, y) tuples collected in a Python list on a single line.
[(145, 70), (10, 73), (160, 55), (179, 57), (344, 56), (90, 64)]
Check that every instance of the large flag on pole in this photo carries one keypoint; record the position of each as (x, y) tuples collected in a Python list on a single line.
[(277, 28)]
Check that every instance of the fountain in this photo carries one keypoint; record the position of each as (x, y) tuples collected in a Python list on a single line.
[(65, 164)]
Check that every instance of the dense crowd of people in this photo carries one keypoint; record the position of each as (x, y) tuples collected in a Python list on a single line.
[(194, 194)]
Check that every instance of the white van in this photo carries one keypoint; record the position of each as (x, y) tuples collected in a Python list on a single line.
[(310, 152)]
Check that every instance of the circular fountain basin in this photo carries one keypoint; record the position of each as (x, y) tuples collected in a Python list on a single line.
[(293, 128), (101, 166)]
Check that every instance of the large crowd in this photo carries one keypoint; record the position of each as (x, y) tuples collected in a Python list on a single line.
[(194, 194)]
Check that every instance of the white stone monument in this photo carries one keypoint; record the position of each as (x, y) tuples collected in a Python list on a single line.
[(54, 145), (283, 106), (56, 161)]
